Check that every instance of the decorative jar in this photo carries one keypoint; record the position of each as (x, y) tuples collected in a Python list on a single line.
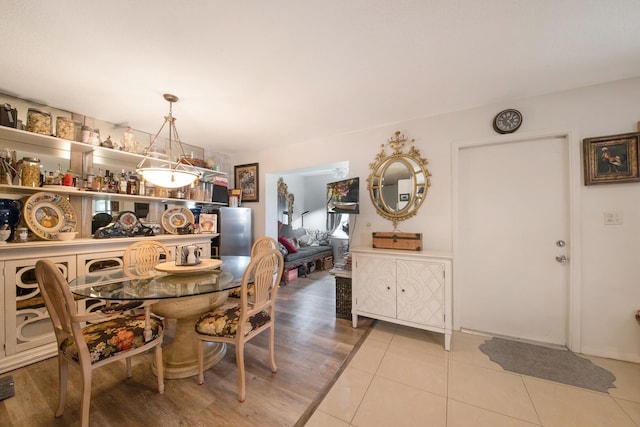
[(30, 172), (64, 128), (38, 121)]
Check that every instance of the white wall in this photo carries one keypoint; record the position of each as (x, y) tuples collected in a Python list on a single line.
[(309, 195), (316, 201), (609, 278)]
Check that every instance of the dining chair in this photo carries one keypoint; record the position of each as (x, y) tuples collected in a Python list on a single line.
[(238, 322), (260, 245), (104, 339), (143, 256), (263, 243)]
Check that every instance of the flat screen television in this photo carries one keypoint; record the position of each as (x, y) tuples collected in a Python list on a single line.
[(220, 194), (344, 196)]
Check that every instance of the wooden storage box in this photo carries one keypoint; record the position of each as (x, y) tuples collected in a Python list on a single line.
[(292, 274), (327, 263), (394, 240)]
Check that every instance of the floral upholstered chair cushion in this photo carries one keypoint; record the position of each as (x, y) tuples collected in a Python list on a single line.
[(112, 336), (223, 322), (235, 293)]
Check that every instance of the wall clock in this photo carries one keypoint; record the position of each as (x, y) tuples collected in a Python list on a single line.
[(507, 121)]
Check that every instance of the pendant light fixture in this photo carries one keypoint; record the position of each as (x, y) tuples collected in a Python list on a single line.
[(168, 174)]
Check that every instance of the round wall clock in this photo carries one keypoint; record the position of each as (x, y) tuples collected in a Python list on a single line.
[(507, 121)]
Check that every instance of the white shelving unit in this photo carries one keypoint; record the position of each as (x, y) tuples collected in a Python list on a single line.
[(25, 329)]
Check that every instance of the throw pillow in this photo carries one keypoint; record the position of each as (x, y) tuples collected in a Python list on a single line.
[(286, 231), (323, 238), (305, 240), (287, 244), (299, 232)]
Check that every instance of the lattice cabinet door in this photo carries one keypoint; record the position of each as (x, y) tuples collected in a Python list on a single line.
[(375, 290), (2, 318), (421, 292), (92, 262), (27, 323), (88, 263)]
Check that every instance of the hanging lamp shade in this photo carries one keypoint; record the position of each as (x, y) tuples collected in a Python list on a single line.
[(169, 178), (163, 173)]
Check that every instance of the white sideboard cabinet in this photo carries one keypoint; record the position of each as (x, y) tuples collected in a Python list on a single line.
[(26, 334), (403, 287)]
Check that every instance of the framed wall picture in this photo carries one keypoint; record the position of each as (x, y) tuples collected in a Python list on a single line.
[(611, 159), (247, 180), (208, 223), (404, 197)]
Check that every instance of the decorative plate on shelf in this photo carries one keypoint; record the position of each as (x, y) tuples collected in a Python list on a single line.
[(46, 214), (176, 217), (170, 267)]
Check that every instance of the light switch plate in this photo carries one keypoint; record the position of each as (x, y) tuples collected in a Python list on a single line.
[(613, 218)]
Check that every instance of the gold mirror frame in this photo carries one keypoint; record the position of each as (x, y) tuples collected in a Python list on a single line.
[(407, 204), (283, 191)]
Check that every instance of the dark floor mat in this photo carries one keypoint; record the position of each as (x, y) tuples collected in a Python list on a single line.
[(558, 365)]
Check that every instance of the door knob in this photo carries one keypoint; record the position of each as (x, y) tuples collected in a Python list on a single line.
[(561, 259), (560, 243)]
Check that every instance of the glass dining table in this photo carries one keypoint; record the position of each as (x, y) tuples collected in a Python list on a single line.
[(175, 295)]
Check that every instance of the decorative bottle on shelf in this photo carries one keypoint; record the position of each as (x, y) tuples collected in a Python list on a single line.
[(97, 182), (141, 185), (91, 180), (132, 184), (112, 185), (55, 177), (123, 183), (86, 135), (49, 178), (95, 137), (67, 179)]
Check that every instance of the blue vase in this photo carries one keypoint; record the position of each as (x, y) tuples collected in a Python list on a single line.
[(196, 215), (10, 214)]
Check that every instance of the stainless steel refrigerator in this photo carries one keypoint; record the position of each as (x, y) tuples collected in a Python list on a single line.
[(236, 231)]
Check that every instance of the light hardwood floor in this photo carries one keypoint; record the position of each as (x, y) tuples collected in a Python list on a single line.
[(312, 347)]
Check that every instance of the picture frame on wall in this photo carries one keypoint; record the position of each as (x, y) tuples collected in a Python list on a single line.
[(247, 180), (611, 159), (208, 223), (404, 197)]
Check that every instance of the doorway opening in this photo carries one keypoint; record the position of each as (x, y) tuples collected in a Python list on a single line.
[(307, 188)]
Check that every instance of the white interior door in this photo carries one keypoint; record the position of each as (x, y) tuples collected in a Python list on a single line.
[(513, 202)]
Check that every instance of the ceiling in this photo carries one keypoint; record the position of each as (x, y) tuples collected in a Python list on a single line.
[(256, 73)]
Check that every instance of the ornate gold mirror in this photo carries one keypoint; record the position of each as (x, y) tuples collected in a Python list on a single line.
[(285, 201), (399, 181)]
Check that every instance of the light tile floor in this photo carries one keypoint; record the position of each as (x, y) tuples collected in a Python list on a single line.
[(403, 377)]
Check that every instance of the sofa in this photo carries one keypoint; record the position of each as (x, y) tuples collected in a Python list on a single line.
[(302, 247)]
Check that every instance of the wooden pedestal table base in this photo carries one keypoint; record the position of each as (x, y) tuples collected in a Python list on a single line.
[(180, 358)]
